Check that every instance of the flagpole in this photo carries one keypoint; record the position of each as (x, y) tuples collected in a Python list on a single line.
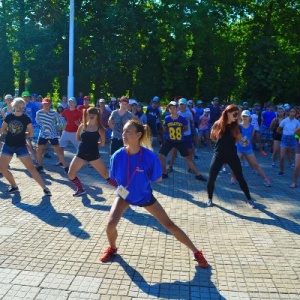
[(71, 51)]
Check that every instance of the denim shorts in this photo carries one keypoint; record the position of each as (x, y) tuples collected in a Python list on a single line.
[(246, 152), (10, 151), (288, 141), (203, 131)]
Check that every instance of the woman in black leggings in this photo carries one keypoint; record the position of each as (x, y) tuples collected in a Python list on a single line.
[(226, 133)]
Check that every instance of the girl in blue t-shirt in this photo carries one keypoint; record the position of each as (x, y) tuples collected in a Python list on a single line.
[(244, 147), (134, 167)]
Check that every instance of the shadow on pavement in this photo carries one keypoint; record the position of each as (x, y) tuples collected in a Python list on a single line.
[(180, 194), (200, 286), (46, 213), (273, 219)]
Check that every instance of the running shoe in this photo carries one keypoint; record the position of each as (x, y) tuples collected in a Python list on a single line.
[(199, 257), (164, 176), (224, 170), (40, 169), (47, 155), (263, 153), (58, 164), (233, 180), (292, 166), (170, 169), (200, 177), (245, 164), (79, 193), (47, 192), (272, 164), (13, 189), (280, 173), (267, 182), (251, 203), (209, 203), (108, 253), (66, 170), (196, 157)]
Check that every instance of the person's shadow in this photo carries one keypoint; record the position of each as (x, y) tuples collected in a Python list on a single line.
[(180, 194), (201, 284), (272, 219), (46, 213)]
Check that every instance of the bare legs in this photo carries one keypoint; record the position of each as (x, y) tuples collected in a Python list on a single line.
[(27, 162), (156, 210)]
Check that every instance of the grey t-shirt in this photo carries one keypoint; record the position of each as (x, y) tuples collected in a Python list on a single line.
[(119, 122)]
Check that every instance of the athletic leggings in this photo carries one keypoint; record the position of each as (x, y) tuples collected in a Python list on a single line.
[(235, 165)]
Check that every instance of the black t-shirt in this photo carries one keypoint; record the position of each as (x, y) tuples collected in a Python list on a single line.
[(16, 129), (225, 145)]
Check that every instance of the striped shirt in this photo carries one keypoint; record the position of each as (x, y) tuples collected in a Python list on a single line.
[(48, 122)]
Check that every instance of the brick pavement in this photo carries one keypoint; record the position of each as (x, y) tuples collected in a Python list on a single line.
[(49, 248)]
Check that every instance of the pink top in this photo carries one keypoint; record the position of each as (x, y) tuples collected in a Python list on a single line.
[(203, 120)]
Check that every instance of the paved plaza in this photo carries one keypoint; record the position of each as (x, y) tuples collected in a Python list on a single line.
[(50, 247)]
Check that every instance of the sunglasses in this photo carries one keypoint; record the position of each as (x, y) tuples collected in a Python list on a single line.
[(235, 114)]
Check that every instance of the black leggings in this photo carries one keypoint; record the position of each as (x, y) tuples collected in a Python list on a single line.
[(235, 165)]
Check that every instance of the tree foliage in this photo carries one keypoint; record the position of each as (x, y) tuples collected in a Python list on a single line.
[(237, 50)]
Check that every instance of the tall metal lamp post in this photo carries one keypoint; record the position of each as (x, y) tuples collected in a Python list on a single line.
[(71, 51)]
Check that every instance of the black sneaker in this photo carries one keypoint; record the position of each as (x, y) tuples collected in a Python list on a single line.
[(59, 164), (164, 176), (13, 189), (47, 192), (66, 169), (79, 193), (209, 203), (40, 169), (251, 203), (200, 177)]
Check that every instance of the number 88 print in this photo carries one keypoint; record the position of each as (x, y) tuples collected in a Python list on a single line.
[(175, 133)]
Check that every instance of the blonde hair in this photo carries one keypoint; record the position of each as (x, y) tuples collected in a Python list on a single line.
[(146, 138), (18, 101)]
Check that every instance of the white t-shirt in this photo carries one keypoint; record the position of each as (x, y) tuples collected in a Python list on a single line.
[(254, 122), (289, 126), (189, 116)]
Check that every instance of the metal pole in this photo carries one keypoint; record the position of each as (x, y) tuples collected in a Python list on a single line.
[(71, 51)]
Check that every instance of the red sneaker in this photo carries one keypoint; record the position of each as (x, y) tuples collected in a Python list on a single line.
[(263, 153), (202, 262), (108, 253)]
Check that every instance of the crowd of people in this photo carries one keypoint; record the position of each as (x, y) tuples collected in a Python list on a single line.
[(29, 124)]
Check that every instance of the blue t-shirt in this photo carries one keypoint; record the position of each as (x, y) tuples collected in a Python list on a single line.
[(199, 113), (153, 115), (175, 128), (268, 116), (135, 172), (246, 142), (30, 110)]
